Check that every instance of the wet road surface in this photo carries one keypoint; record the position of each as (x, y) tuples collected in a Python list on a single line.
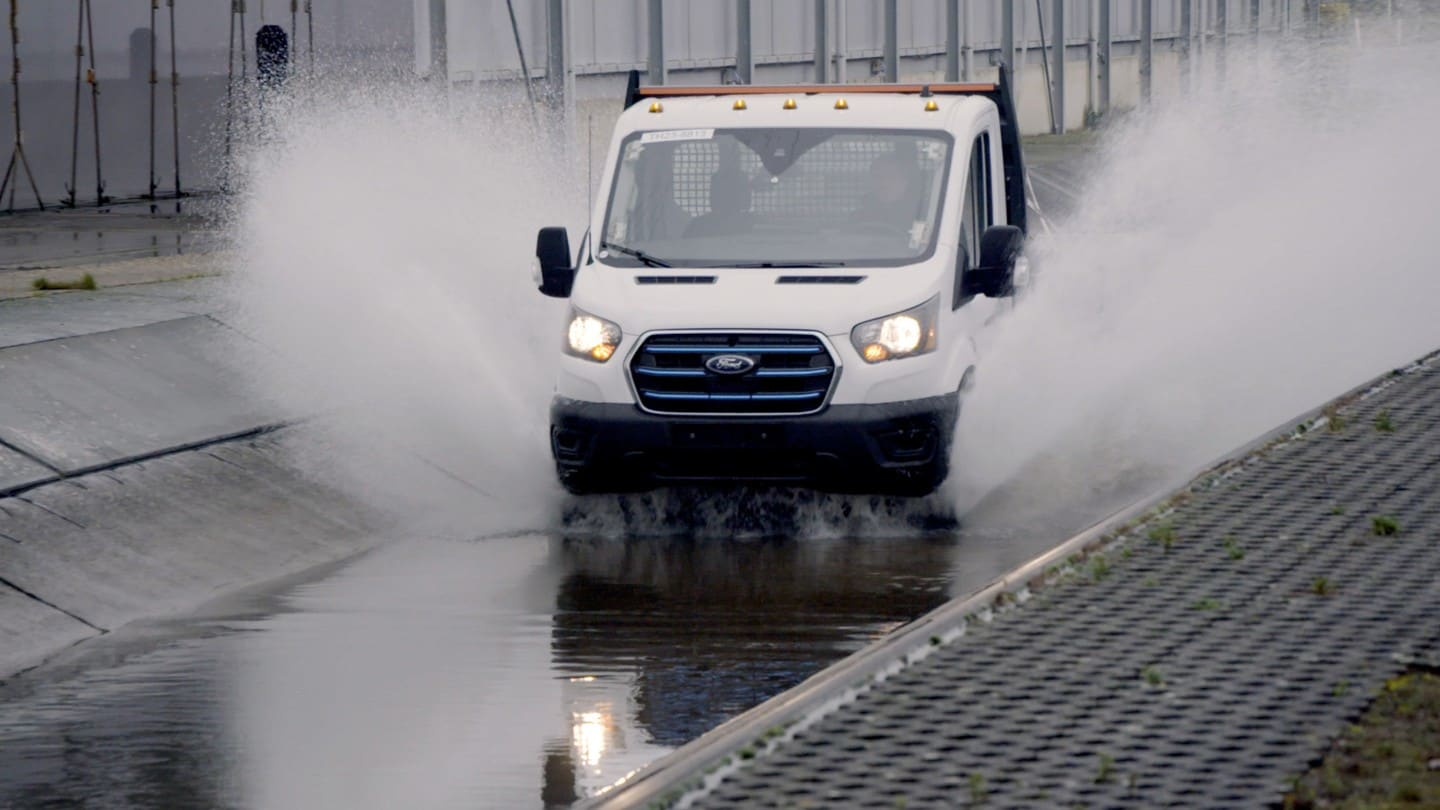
[(515, 672), (520, 671)]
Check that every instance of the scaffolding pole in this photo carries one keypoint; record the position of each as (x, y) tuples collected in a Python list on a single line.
[(310, 34), (237, 13), (175, 103), (17, 155), (154, 79), (85, 41)]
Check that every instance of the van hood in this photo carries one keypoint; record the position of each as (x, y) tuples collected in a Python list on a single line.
[(827, 300)]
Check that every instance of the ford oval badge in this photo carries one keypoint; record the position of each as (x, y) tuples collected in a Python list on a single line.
[(729, 364)]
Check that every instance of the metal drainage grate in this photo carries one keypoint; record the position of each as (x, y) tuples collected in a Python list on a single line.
[(775, 373)]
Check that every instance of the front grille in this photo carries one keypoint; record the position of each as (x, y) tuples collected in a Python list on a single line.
[(792, 374)]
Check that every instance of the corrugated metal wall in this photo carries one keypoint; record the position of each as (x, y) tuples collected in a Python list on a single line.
[(610, 36)]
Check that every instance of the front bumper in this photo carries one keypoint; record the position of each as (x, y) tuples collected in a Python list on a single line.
[(891, 448)]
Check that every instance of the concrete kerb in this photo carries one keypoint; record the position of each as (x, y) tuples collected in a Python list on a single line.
[(709, 757)]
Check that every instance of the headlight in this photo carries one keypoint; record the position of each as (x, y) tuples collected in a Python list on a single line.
[(904, 334), (590, 337)]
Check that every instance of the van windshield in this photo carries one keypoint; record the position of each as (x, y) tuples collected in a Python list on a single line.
[(775, 198)]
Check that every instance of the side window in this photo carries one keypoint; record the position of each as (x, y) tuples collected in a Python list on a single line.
[(977, 215)]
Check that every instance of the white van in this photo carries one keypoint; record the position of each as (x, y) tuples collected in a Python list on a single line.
[(785, 285)]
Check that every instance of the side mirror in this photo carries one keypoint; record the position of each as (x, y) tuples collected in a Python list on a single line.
[(552, 253), (995, 276)]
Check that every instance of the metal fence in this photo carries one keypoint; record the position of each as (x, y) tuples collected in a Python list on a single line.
[(116, 99), (576, 45), (76, 138)]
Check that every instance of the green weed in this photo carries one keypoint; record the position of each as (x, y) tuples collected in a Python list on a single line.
[(1384, 525), (1164, 534), (86, 282), (1105, 773), (1383, 423), (1232, 548), (977, 788)]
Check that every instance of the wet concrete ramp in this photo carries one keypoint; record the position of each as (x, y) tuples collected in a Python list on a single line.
[(137, 479), (87, 403), (83, 556)]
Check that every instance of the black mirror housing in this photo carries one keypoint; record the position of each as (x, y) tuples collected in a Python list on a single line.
[(557, 274), (1000, 246)]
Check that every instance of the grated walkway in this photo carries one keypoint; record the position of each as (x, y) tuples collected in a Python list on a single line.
[(1204, 659)]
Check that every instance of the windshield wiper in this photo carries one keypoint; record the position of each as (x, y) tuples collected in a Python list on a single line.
[(638, 255)]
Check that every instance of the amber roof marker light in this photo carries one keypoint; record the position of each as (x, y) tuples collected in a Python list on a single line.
[(740, 105), (656, 107), (789, 104), (842, 104)]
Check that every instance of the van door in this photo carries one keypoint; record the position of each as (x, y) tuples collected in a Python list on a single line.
[(973, 313)]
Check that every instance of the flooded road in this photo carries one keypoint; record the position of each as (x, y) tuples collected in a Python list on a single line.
[(521, 671)]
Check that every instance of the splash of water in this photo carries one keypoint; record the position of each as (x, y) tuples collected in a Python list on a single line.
[(385, 240), (1240, 256)]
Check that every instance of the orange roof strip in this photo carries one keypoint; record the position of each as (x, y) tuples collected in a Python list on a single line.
[(945, 88)]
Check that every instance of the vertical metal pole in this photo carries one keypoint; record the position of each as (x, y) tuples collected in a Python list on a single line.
[(524, 67), (1147, 47), (439, 59), (967, 62), (1057, 70), (1007, 35), (1090, 56), (94, 80), (73, 189), (1187, 28), (892, 41), (174, 101), (310, 34), (229, 98), (952, 40), (744, 42), (555, 53), (656, 57), (1103, 106), (842, 43), (822, 41), (154, 79), (1222, 30), (18, 161), (1255, 20), (244, 59)]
